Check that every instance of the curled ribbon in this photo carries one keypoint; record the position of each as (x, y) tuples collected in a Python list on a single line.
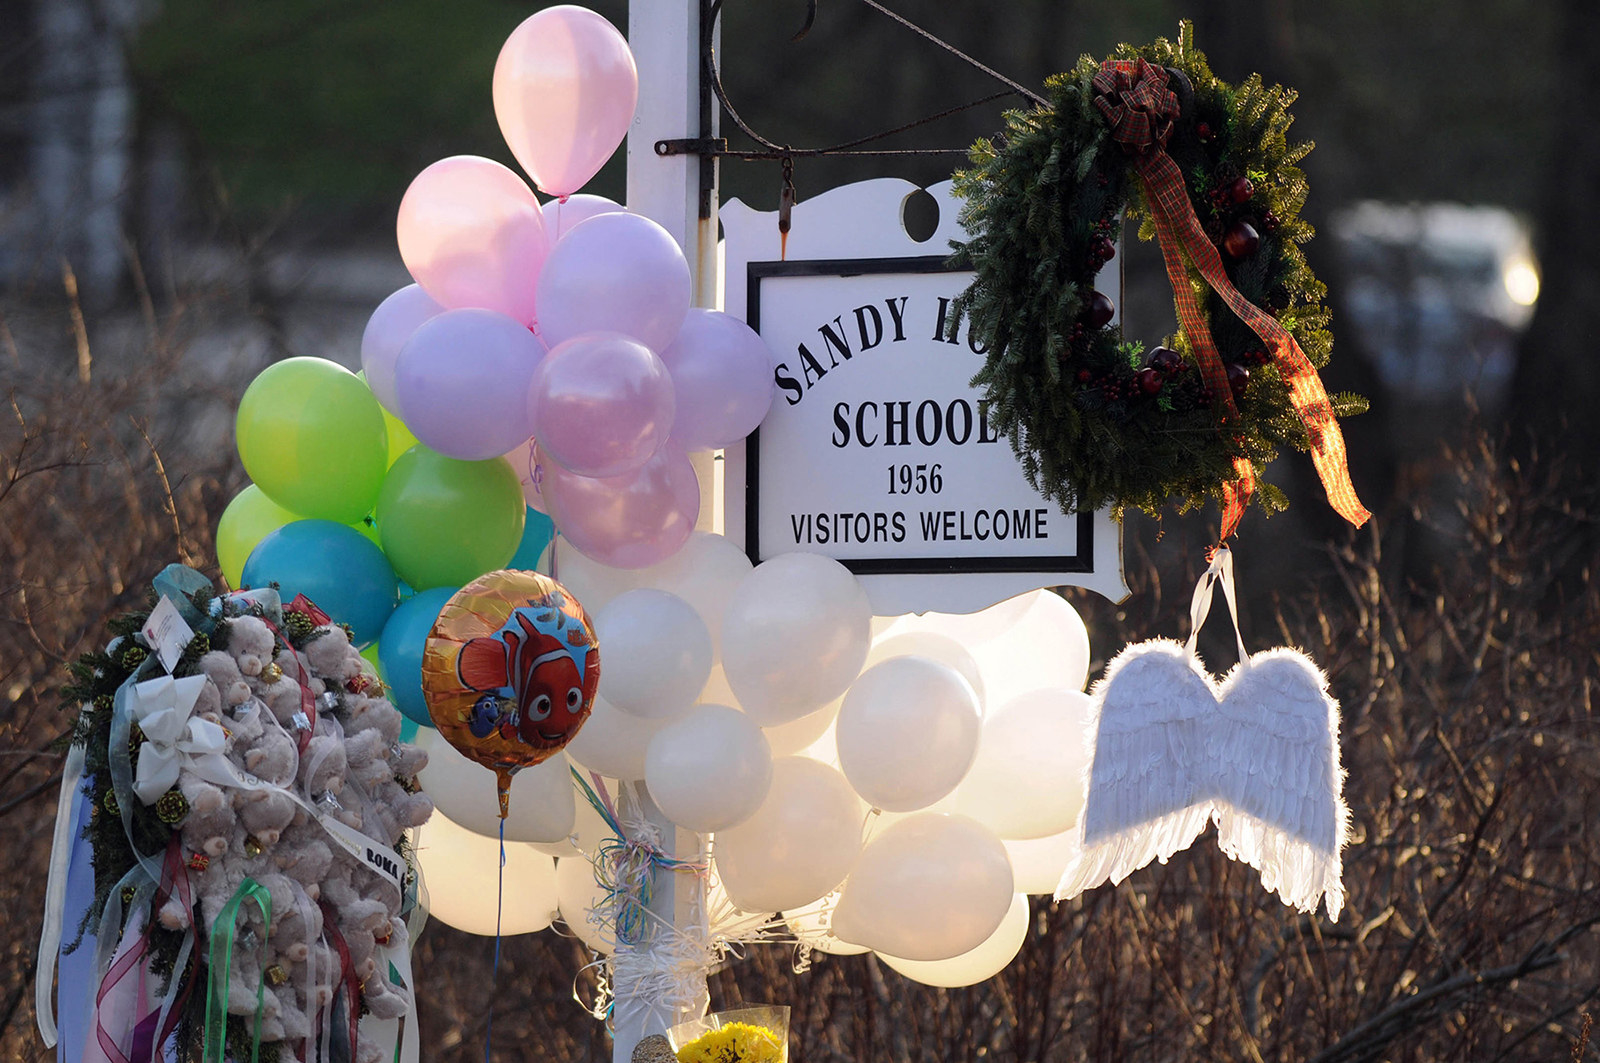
[(1134, 98), (163, 708), (216, 1023)]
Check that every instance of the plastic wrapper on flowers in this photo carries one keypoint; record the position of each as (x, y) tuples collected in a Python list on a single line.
[(745, 1035)]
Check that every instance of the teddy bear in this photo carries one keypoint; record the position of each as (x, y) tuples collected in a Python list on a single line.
[(332, 657), (303, 853), (367, 758), (263, 748), (364, 713), (210, 822), (264, 813), (251, 644), (322, 763), (357, 906), (407, 760), (294, 667), (223, 671), (208, 705), (398, 810)]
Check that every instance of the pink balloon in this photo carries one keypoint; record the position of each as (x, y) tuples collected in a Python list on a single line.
[(524, 461), (565, 87), (396, 318), (601, 404), (722, 372), (472, 235), (462, 379), (628, 521), (615, 273), (560, 215)]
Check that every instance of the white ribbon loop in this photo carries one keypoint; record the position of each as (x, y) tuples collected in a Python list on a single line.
[(1220, 572), (163, 709)]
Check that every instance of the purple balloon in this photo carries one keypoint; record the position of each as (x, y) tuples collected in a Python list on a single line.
[(630, 521), (601, 404), (614, 273), (560, 215), (396, 318), (462, 380), (722, 372)]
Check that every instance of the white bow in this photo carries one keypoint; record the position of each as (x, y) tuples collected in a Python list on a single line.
[(164, 711)]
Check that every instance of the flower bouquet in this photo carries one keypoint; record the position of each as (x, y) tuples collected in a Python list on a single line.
[(745, 1035)]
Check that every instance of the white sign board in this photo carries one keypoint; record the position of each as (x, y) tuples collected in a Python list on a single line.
[(878, 451)]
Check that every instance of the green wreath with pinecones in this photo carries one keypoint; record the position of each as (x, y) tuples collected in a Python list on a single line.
[(1208, 170)]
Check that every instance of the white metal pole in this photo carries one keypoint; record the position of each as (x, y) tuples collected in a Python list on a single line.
[(665, 38)]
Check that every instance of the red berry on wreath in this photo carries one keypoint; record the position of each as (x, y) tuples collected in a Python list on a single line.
[(1100, 310), (1238, 378), (1084, 376), (1149, 380), (1203, 131), (1269, 222), (1241, 190), (1165, 360), (1241, 240), (1103, 249)]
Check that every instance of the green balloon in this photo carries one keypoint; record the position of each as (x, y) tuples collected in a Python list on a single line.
[(400, 437), (249, 518), (312, 437), (445, 522)]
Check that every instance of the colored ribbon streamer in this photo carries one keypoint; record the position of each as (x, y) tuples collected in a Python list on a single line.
[(55, 897), (1134, 99), (216, 1026), (625, 867)]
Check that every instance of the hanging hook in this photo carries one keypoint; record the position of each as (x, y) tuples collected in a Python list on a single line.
[(785, 206), (811, 18)]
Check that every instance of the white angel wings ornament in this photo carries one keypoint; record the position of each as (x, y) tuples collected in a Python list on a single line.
[(1256, 753)]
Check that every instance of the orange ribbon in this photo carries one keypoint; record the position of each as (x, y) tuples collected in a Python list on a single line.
[(1134, 98)]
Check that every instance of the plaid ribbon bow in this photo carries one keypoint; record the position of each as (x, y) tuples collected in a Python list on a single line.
[(1139, 108)]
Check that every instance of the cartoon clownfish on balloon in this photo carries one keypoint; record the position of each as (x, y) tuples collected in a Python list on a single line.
[(536, 677)]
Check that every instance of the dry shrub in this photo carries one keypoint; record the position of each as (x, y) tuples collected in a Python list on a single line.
[(1468, 737)]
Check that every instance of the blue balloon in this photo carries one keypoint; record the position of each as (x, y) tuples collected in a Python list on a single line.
[(537, 531), (400, 650), (334, 565)]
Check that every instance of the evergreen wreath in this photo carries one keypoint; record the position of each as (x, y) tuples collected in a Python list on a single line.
[(1095, 419)]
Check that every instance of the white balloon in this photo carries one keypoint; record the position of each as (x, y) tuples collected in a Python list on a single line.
[(788, 739), (717, 691), (930, 887), (459, 869), (705, 572), (907, 732), (794, 636), (657, 653), (589, 830), (541, 808), (979, 965), (969, 629), (709, 769), (613, 742), (811, 925), (593, 584), (1039, 863), (798, 845), (577, 893), (1047, 647), (1029, 778), (826, 747), (930, 644)]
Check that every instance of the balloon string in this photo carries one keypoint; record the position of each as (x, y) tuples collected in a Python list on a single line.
[(499, 908)]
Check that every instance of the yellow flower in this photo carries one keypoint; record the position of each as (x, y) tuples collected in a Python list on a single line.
[(737, 1042)]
